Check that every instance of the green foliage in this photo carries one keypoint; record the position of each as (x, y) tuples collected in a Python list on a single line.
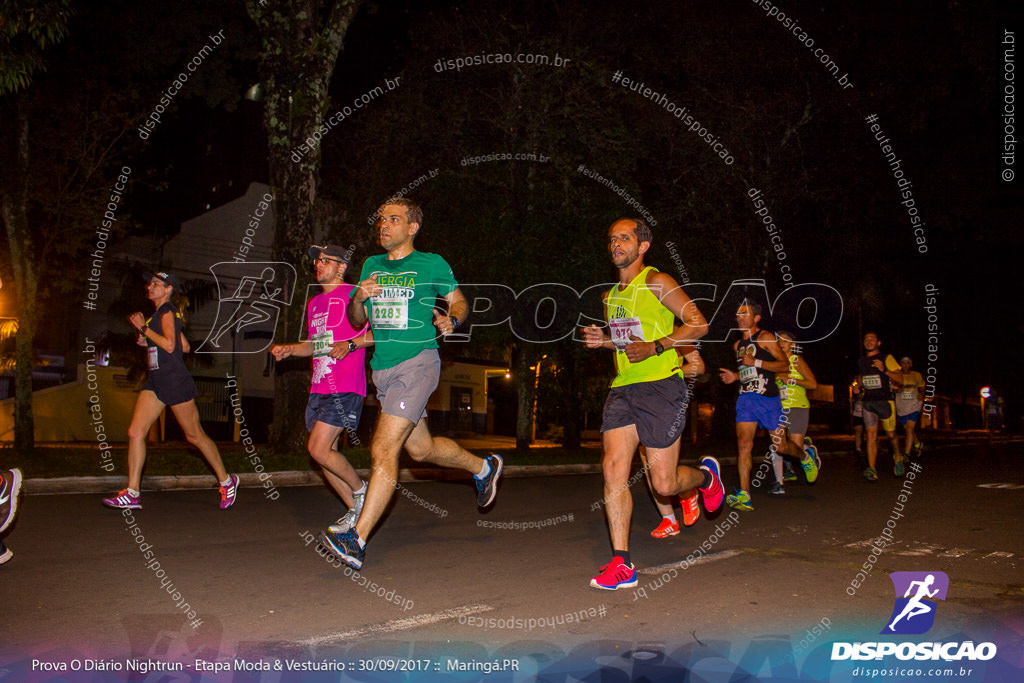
[(26, 28)]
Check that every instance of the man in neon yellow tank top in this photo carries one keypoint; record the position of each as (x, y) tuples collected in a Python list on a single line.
[(647, 401)]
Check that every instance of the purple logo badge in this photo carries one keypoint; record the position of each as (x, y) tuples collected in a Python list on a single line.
[(916, 596)]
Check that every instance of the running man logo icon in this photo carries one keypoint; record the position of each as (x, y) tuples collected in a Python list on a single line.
[(251, 297), (916, 595)]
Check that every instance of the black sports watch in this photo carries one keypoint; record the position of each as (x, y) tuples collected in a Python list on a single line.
[(455, 321), (351, 346), (658, 348)]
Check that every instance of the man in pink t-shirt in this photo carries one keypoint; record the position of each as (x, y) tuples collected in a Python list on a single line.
[(338, 386)]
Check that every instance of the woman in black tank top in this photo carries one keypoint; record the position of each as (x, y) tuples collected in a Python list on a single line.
[(168, 383)]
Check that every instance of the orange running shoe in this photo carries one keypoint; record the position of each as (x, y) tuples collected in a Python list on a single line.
[(691, 509), (668, 527)]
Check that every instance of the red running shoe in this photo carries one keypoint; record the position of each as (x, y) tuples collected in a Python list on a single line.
[(691, 509), (614, 575), (668, 527)]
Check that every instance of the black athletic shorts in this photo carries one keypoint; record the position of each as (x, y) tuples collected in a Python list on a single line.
[(658, 409), (172, 391)]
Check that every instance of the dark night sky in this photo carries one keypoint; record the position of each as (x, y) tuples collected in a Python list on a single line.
[(931, 71)]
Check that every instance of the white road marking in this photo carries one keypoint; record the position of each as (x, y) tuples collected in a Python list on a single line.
[(724, 555), (919, 549), (397, 625)]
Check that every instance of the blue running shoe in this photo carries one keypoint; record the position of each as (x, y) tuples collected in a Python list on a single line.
[(487, 488), (345, 546)]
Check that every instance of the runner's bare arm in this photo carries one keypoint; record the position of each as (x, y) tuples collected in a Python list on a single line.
[(166, 323), (356, 313), (809, 381), (341, 349), (766, 340), (729, 376), (593, 336), (458, 307), (676, 300), (694, 365), (301, 349)]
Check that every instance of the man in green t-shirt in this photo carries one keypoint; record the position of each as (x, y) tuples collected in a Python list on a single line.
[(397, 294)]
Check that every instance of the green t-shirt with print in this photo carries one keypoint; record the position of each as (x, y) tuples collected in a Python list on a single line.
[(402, 314)]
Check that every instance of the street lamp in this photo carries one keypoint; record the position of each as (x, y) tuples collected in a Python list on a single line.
[(986, 393)]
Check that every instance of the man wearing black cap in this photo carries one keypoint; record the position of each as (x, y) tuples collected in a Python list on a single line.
[(398, 294), (168, 383), (338, 386)]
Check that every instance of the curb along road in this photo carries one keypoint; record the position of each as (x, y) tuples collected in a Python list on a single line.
[(311, 478)]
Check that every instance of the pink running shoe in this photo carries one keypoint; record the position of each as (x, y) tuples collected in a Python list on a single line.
[(124, 501), (614, 575), (10, 485), (714, 493), (229, 493)]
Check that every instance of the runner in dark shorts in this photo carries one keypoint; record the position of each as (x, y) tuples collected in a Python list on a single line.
[(168, 383), (877, 374), (691, 366), (647, 403)]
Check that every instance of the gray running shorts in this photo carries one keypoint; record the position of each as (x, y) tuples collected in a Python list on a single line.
[(798, 419), (404, 389)]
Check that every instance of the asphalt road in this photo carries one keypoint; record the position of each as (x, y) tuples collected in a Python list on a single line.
[(444, 581)]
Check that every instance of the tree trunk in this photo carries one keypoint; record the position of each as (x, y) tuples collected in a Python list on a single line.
[(13, 203), (298, 53), (525, 392)]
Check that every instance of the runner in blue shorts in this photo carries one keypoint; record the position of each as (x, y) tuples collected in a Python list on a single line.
[(758, 358), (338, 385), (909, 402)]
